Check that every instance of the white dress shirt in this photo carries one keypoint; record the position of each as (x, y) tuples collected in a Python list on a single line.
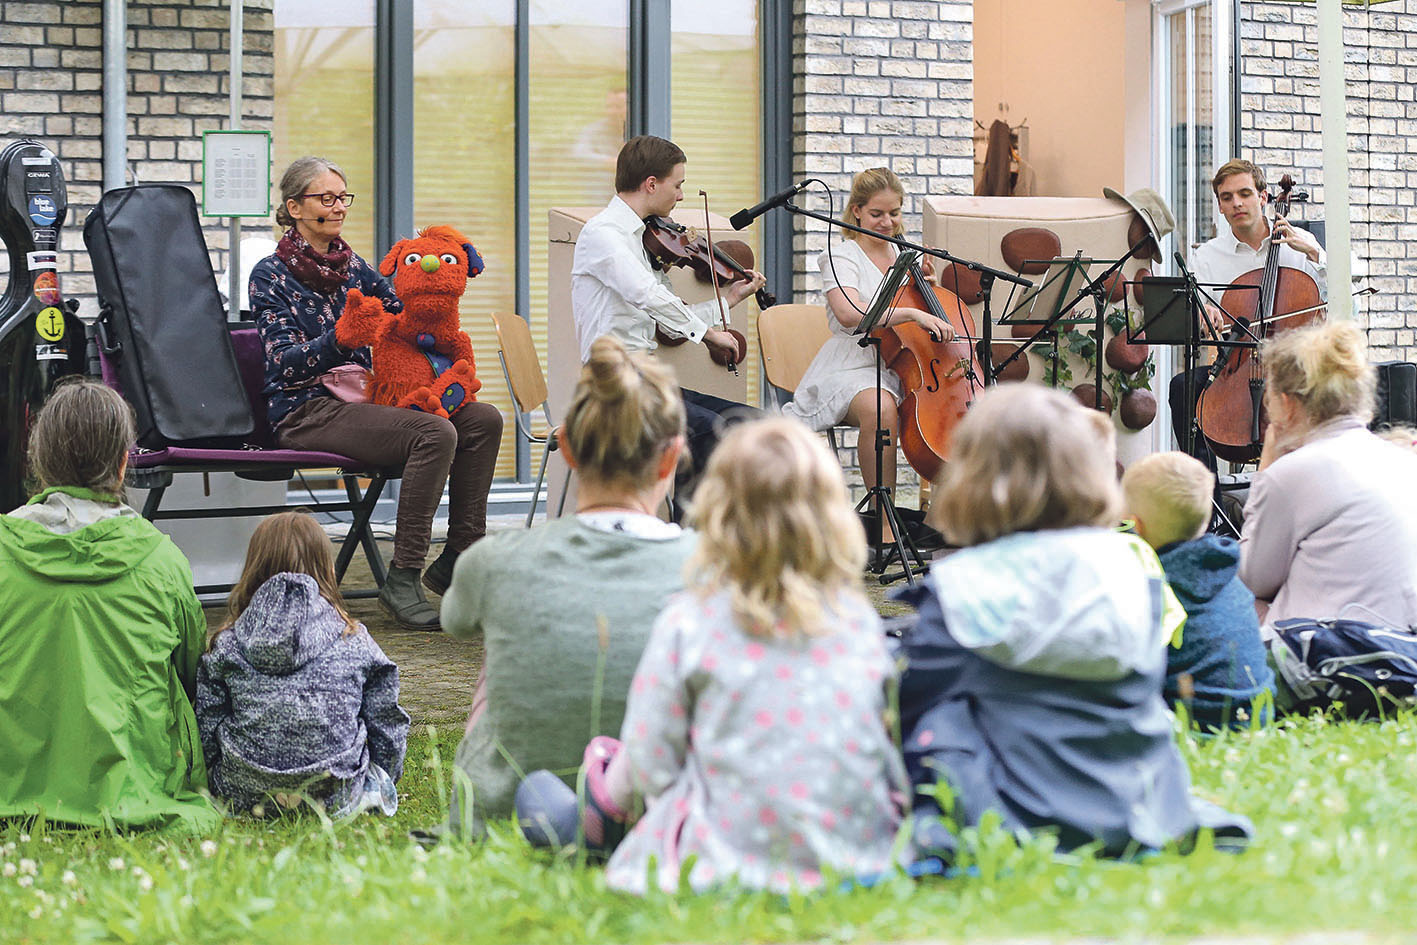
[(1225, 258), (615, 291)]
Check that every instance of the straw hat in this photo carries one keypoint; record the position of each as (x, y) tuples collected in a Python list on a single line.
[(1153, 212)]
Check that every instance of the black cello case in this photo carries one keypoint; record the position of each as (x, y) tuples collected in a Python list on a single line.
[(162, 323)]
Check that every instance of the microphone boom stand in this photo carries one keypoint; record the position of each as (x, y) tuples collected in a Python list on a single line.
[(987, 274)]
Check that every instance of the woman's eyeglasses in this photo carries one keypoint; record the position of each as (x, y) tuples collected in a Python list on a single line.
[(328, 200)]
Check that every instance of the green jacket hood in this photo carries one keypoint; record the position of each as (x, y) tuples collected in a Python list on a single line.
[(97, 552)]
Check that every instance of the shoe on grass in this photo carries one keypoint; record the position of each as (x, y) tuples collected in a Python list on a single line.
[(402, 596)]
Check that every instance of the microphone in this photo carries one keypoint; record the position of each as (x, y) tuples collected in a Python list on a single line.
[(319, 219), (743, 217)]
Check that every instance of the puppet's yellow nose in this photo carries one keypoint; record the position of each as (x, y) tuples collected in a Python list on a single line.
[(429, 263)]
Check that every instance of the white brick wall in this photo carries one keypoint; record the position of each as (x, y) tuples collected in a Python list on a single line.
[(880, 82), (1280, 130), (51, 72)]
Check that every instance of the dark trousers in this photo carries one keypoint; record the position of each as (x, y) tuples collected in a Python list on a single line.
[(1182, 412), (432, 450), (707, 417)]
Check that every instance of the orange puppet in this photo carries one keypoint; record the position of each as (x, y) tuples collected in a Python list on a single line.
[(422, 358)]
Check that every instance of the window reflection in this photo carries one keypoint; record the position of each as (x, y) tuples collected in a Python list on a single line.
[(464, 163), (716, 117), (324, 98)]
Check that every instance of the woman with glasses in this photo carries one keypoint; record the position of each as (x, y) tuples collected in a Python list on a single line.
[(297, 295)]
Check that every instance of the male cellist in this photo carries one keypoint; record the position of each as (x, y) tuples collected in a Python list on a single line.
[(1241, 197), (615, 291)]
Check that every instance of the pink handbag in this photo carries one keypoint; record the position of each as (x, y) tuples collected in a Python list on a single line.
[(347, 382)]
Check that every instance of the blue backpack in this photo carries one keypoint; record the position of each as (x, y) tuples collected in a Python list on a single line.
[(1370, 669)]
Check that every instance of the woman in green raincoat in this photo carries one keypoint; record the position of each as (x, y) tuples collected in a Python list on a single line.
[(100, 634)]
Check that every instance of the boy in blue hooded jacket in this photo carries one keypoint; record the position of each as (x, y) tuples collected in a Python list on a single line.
[(1217, 668)]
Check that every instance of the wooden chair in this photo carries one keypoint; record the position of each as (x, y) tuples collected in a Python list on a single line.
[(789, 337), (525, 379)]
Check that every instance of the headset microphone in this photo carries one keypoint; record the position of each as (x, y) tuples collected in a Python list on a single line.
[(319, 219)]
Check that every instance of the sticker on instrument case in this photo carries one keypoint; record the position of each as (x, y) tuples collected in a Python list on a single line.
[(42, 210), (50, 324), (46, 288)]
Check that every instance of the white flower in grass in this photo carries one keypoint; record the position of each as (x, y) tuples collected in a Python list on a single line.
[(208, 848), (8, 869), (69, 879), (36, 912), (145, 883), (183, 865), (418, 874), (9, 847), (25, 881), (28, 866), (116, 863), (24, 838)]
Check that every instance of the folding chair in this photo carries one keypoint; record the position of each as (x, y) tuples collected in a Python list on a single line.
[(260, 459), (527, 382), (789, 337)]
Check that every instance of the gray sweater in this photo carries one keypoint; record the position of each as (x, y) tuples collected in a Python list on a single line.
[(288, 702), (537, 598)]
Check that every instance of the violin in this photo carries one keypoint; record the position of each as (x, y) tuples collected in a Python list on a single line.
[(672, 244), (939, 379), (1230, 411)]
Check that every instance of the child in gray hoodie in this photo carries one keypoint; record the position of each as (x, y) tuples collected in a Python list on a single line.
[(294, 699)]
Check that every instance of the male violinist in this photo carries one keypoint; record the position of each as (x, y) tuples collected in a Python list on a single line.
[(615, 291), (1241, 197)]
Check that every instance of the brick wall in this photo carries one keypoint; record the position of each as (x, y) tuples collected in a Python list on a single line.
[(51, 75), (880, 82), (1280, 130)]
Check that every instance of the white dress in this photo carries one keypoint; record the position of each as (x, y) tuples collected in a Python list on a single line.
[(842, 368)]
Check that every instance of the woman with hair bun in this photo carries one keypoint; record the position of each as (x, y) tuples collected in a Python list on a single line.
[(564, 610), (1331, 522), (100, 634)]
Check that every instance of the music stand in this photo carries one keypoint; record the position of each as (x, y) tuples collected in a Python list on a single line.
[(1043, 305), (881, 305)]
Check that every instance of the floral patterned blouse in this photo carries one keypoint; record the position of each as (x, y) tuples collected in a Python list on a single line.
[(767, 761), (297, 326)]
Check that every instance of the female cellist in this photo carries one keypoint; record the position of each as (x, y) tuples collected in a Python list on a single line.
[(840, 384)]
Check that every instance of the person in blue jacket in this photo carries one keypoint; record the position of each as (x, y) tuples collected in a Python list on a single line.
[(1217, 669), (1032, 685)]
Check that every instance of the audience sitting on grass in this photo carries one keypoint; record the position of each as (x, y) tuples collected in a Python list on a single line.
[(1033, 676), (755, 732), (564, 610), (1331, 521), (100, 633), (295, 700), (1217, 669)]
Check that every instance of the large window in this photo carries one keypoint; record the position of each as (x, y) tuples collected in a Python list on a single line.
[(464, 119), (1193, 111), (324, 99), (716, 117), (466, 104)]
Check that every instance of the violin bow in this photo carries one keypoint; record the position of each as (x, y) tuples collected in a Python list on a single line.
[(713, 273)]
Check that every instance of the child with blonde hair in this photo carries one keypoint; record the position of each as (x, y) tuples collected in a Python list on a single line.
[(1217, 667), (755, 731), (1033, 679), (294, 698)]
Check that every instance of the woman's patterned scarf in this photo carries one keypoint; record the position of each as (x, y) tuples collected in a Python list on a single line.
[(323, 272)]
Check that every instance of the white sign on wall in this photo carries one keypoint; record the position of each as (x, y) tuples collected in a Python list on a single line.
[(236, 173)]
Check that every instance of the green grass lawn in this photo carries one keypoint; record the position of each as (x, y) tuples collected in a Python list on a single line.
[(1335, 805)]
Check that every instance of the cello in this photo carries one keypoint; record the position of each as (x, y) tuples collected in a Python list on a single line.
[(939, 379), (1230, 411)]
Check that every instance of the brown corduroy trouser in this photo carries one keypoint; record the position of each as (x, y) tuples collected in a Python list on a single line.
[(432, 450)]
